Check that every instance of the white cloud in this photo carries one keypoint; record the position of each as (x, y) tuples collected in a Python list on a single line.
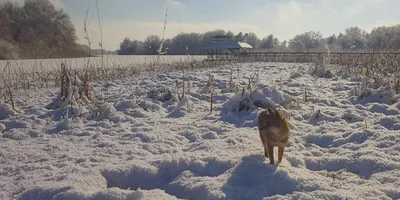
[(57, 4), (289, 12), (284, 19), (379, 23), (174, 4)]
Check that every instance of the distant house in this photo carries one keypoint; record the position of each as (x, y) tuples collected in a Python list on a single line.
[(221, 47)]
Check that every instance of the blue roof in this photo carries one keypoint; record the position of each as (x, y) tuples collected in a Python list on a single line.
[(230, 45)]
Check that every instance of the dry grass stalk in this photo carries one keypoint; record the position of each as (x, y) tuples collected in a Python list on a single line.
[(72, 91), (177, 88), (211, 100), (86, 85), (231, 80), (305, 94), (183, 84), (8, 88)]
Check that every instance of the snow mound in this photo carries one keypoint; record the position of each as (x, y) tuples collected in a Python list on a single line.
[(138, 108), (184, 106), (66, 112), (364, 95), (70, 193), (2, 128), (364, 166), (16, 134), (243, 108), (382, 108), (6, 111), (254, 179), (261, 98), (230, 89), (208, 87), (108, 111), (389, 122), (163, 94), (175, 176)]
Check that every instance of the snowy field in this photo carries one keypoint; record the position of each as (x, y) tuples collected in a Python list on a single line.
[(138, 147), (109, 60)]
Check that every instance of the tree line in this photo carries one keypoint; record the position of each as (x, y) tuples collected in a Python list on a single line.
[(384, 38), (36, 30)]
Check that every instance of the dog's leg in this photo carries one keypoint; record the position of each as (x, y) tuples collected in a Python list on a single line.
[(271, 153), (281, 149), (264, 142)]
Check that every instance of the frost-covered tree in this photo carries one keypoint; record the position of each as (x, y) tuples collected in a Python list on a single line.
[(45, 27), (251, 38), (151, 44), (331, 40), (10, 14), (128, 47), (306, 41), (353, 39), (37, 30), (385, 38), (269, 42), (284, 44), (184, 43)]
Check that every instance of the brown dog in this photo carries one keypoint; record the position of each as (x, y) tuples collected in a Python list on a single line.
[(274, 131)]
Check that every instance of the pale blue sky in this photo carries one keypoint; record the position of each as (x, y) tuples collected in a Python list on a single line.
[(284, 18)]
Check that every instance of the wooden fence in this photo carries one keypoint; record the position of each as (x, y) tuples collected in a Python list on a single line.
[(305, 57)]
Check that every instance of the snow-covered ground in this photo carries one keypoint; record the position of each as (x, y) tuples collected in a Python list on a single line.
[(108, 60), (138, 148)]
